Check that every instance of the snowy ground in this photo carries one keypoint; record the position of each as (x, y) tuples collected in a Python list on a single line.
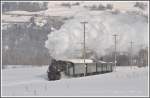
[(32, 81)]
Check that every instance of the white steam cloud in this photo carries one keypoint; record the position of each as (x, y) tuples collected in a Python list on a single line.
[(67, 41)]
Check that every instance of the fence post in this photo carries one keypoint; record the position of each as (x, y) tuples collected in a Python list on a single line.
[(73, 69), (86, 69), (96, 67), (68, 70)]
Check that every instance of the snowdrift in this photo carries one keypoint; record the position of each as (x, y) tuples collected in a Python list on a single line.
[(125, 81)]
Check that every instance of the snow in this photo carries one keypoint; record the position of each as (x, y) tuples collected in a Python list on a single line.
[(79, 60), (103, 62), (32, 81), (15, 18), (23, 12), (55, 9), (125, 81)]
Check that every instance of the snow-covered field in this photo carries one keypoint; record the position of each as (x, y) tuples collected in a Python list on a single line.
[(32, 81)]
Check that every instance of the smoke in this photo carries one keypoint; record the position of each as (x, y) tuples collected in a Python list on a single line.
[(67, 42)]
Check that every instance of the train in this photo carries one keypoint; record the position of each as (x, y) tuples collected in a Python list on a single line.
[(88, 67), (78, 68)]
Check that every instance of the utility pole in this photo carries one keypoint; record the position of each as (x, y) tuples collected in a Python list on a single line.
[(84, 50), (115, 39), (131, 46)]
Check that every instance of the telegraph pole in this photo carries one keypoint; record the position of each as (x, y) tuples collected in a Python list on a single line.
[(131, 46), (84, 50), (115, 40)]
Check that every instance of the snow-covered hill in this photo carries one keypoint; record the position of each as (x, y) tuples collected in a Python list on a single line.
[(20, 32), (125, 81)]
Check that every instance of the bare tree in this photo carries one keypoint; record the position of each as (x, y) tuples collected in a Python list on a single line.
[(140, 5)]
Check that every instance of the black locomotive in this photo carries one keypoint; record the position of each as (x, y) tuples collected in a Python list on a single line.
[(56, 67)]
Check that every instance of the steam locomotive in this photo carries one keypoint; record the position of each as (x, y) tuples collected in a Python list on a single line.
[(56, 67), (77, 68)]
